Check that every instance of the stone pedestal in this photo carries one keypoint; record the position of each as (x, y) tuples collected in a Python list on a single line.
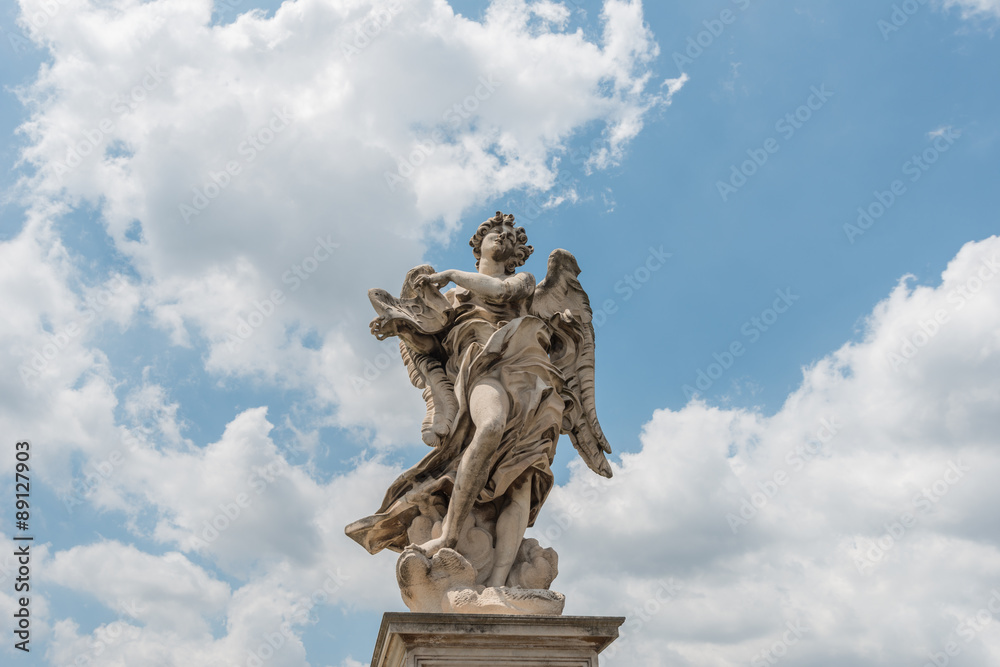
[(488, 640)]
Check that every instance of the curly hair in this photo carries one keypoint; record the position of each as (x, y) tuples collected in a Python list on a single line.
[(522, 251)]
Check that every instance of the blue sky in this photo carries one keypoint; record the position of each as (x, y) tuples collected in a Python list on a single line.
[(740, 138)]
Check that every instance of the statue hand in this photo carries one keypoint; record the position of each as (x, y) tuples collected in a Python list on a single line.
[(376, 328), (435, 280)]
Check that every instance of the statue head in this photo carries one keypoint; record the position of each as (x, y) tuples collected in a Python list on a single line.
[(509, 244)]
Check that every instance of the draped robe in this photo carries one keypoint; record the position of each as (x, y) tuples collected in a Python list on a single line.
[(487, 338)]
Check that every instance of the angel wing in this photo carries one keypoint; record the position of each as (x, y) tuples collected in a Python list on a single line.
[(416, 317), (560, 300), (427, 373)]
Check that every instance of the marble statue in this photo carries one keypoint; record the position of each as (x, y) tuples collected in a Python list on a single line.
[(506, 365)]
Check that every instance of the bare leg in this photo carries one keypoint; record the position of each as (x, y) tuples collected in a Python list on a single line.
[(488, 409), (511, 524)]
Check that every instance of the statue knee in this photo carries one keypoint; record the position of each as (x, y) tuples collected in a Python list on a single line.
[(491, 429)]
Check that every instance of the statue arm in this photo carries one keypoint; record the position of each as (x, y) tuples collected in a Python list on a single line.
[(517, 287)]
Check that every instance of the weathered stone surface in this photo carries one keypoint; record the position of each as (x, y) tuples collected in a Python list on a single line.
[(457, 640), (506, 366), (534, 567), (425, 582), (446, 583), (505, 600)]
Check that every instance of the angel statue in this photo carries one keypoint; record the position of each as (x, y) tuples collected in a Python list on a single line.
[(505, 366)]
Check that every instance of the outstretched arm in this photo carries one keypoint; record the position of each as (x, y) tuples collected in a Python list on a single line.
[(482, 285)]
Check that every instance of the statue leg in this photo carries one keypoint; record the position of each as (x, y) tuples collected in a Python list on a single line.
[(511, 524), (488, 409)]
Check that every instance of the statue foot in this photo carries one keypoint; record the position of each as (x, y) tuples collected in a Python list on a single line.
[(431, 547)]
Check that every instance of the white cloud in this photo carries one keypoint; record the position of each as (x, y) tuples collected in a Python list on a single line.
[(674, 85), (836, 476), (58, 387), (144, 107), (350, 662), (975, 8), (148, 112), (551, 12), (161, 101), (237, 503), (166, 592)]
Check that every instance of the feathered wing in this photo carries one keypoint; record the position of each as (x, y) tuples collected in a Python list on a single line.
[(560, 300), (427, 373), (417, 316)]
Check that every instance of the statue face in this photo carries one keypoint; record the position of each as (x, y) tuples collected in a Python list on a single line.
[(498, 244)]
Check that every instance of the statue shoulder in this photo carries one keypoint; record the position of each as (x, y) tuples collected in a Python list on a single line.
[(518, 286), (524, 278)]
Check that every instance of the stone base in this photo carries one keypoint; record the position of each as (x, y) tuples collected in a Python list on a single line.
[(487, 640), (506, 601), (446, 583)]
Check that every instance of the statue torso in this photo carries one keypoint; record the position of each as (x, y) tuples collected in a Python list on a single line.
[(479, 318)]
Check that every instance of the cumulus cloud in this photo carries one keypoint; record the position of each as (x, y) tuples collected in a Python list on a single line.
[(238, 505), (861, 509), (245, 174), (730, 537), (159, 591), (248, 171)]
